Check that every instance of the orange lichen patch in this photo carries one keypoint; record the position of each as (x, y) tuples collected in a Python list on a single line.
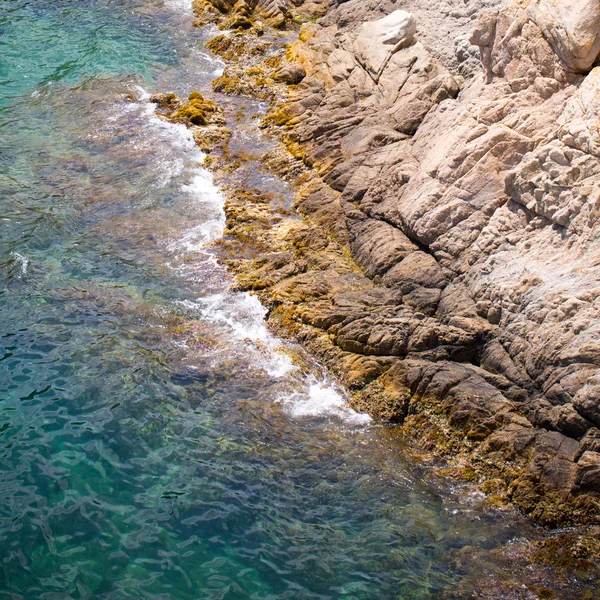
[(197, 111), (278, 117), (235, 46)]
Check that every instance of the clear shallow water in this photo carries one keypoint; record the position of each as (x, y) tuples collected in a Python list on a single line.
[(155, 441)]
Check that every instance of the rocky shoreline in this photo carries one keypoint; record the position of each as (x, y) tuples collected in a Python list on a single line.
[(443, 268)]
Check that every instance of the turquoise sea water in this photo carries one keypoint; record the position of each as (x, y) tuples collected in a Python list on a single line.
[(156, 442)]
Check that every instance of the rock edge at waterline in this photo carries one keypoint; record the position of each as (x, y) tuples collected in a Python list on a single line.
[(444, 265)]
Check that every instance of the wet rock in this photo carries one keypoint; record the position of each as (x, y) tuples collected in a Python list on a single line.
[(242, 14), (236, 21), (202, 115), (290, 74), (164, 100)]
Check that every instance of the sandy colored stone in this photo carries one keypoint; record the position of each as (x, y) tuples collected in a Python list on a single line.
[(572, 27)]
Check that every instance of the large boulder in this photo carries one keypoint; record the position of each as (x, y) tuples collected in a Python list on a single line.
[(378, 41), (572, 27)]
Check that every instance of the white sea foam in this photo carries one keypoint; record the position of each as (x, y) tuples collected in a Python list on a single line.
[(321, 399), (203, 192), (184, 5), (144, 95), (180, 158), (239, 316), (242, 317), (241, 313), (21, 261), (195, 239)]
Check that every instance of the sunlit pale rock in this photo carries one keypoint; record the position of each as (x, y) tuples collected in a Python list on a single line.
[(572, 27), (378, 40), (580, 122)]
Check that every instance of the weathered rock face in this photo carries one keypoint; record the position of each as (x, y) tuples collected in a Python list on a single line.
[(443, 27), (572, 27), (472, 209)]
